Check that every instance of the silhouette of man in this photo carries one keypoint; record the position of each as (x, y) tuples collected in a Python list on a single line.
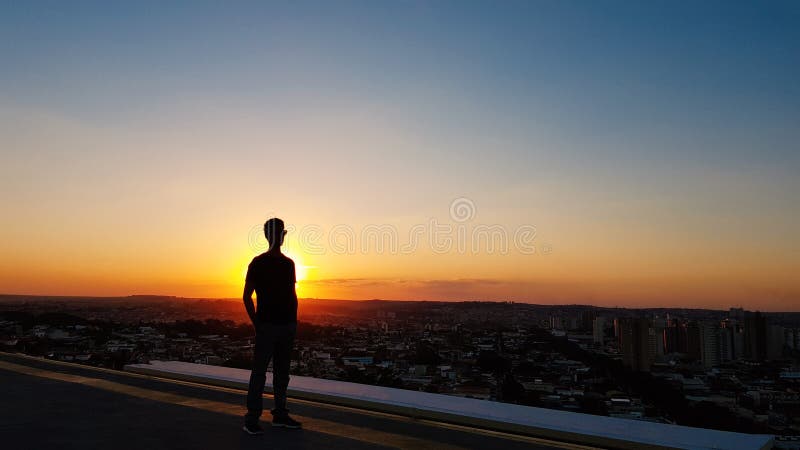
[(271, 275)]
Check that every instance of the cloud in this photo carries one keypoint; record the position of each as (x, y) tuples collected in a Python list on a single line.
[(432, 289), (643, 293)]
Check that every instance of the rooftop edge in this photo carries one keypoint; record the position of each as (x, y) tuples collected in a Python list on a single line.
[(556, 425)]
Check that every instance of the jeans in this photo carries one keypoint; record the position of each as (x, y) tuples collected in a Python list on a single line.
[(273, 341)]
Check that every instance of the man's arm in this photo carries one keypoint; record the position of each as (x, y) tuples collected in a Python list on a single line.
[(247, 296), (294, 287)]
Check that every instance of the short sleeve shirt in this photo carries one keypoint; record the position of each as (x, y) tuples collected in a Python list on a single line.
[(273, 277)]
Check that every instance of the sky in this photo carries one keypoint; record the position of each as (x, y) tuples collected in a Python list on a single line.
[(608, 153)]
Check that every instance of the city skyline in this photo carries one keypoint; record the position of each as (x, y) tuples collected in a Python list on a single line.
[(708, 369), (652, 148)]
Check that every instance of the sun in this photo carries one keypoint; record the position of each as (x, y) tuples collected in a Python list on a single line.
[(300, 269)]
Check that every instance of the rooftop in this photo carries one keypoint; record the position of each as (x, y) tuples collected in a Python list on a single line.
[(181, 405), (69, 406)]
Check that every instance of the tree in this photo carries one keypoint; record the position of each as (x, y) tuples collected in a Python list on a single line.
[(490, 361), (511, 390), (425, 353)]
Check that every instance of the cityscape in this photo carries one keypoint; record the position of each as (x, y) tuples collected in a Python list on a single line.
[(424, 225), (733, 370)]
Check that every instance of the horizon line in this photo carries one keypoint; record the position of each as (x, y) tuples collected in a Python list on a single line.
[(235, 299)]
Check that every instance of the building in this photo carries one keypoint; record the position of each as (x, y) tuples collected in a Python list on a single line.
[(775, 341), (755, 336), (727, 350), (599, 329), (710, 345), (637, 340), (676, 338)]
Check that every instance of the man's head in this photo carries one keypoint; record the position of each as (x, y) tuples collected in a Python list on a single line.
[(274, 232)]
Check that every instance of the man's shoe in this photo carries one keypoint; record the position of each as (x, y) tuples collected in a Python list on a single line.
[(252, 429), (285, 422)]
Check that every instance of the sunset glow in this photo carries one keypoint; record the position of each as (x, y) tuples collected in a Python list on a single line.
[(141, 154)]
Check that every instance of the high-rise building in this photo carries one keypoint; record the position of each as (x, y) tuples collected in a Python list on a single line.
[(694, 341), (791, 336), (599, 329), (726, 344), (587, 319), (710, 337), (738, 343), (657, 337), (775, 342), (637, 343), (556, 322), (676, 339), (755, 336)]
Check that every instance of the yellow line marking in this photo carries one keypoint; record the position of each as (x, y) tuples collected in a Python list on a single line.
[(238, 411), (507, 436), (381, 438)]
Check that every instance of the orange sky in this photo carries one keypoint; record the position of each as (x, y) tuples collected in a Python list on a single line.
[(138, 220), (600, 262), (141, 152)]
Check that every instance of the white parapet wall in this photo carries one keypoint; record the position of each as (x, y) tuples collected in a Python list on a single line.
[(564, 426)]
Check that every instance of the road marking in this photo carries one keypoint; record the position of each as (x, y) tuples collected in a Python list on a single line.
[(336, 430), (376, 437)]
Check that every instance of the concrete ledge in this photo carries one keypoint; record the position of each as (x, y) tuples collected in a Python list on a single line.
[(563, 426)]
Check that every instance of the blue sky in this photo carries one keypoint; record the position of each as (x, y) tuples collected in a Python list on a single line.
[(708, 80)]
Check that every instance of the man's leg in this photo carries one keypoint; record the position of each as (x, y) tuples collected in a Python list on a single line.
[(258, 376), (284, 343)]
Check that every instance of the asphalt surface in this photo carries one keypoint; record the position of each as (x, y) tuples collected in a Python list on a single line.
[(47, 405)]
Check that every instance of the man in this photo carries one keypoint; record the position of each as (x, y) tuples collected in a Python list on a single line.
[(272, 276)]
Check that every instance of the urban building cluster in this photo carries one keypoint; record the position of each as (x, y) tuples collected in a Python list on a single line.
[(743, 363), (735, 370), (742, 336)]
